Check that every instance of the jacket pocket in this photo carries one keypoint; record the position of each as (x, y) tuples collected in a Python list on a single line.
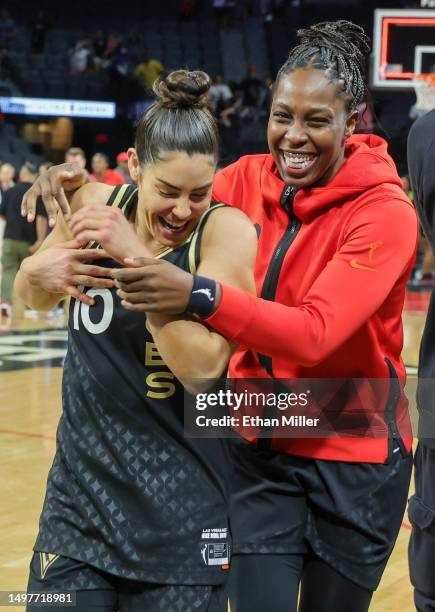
[(421, 516)]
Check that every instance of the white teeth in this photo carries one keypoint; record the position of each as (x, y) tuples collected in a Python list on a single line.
[(297, 160), (172, 226)]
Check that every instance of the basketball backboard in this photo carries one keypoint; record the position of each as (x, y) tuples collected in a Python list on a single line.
[(403, 47)]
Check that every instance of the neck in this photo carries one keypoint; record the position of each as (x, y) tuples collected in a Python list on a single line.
[(143, 233)]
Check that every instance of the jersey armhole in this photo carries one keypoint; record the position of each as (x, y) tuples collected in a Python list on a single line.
[(194, 256)]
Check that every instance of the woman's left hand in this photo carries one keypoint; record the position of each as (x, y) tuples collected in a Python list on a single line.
[(153, 285), (109, 227)]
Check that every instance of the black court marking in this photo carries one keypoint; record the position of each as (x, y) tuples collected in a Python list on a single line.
[(32, 349)]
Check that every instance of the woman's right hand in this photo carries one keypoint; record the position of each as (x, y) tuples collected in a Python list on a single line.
[(62, 268), (54, 187)]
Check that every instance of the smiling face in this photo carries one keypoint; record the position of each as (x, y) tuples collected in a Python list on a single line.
[(308, 124), (173, 194)]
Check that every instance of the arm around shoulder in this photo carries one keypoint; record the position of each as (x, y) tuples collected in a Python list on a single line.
[(43, 279)]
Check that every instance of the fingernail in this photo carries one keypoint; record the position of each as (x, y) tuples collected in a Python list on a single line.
[(29, 217), (51, 221)]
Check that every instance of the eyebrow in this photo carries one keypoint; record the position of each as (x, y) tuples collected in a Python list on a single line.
[(319, 109), (207, 186)]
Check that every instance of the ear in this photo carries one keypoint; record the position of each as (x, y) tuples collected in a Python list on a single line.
[(133, 164), (351, 123)]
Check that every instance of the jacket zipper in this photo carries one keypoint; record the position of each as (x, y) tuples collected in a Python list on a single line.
[(390, 411), (270, 284), (268, 292)]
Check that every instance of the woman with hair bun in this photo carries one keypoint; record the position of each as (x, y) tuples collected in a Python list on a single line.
[(337, 239), (136, 515)]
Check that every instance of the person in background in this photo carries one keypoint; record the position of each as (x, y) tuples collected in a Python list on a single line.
[(21, 239), (76, 155), (421, 509), (7, 173), (101, 173), (220, 94), (425, 273), (44, 167), (122, 167)]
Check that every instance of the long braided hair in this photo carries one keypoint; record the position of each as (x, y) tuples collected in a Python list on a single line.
[(337, 47)]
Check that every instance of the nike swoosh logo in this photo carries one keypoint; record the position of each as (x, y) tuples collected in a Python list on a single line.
[(355, 264)]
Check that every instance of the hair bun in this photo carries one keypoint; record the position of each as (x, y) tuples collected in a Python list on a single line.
[(343, 36), (183, 89)]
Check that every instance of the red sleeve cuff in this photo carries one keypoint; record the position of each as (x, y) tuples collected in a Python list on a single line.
[(234, 313)]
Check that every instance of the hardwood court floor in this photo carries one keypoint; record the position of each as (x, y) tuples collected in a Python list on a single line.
[(29, 412)]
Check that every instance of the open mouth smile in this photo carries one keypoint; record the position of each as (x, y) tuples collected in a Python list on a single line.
[(297, 162), (173, 228)]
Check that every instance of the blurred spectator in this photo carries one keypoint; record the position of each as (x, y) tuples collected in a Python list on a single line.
[(7, 173), (122, 167), (148, 72), (112, 44), (79, 57), (21, 238), (44, 167), (99, 44), (121, 60), (425, 272), (102, 173), (252, 87), (220, 95), (76, 155)]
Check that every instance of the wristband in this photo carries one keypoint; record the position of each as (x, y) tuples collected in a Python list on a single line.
[(202, 297)]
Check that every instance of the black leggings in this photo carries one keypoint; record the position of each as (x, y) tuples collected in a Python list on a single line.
[(270, 583)]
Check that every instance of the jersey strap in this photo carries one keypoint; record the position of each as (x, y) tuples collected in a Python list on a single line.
[(196, 237)]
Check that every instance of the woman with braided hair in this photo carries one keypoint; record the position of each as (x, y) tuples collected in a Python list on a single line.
[(337, 241), (337, 238)]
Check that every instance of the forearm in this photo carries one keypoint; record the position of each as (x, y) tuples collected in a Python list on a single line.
[(194, 353), (31, 292)]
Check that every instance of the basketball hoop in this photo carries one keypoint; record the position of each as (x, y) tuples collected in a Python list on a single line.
[(424, 86)]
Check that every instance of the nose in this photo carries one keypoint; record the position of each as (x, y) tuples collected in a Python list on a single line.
[(181, 209), (295, 134)]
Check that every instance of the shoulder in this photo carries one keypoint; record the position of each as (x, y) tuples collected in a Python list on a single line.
[(386, 200), (227, 223), (91, 193)]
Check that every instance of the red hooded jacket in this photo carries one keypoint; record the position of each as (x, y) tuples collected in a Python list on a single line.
[(336, 267)]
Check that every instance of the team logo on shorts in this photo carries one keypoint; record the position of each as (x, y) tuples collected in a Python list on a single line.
[(46, 560)]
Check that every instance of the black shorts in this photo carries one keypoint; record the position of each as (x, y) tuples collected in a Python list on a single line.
[(347, 514), (95, 590), (421, 511)]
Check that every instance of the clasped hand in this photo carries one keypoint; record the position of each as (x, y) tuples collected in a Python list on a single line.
[(153, 285)]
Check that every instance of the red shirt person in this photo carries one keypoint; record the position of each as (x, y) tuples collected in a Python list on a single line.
[(337, 242), (101, 172)]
